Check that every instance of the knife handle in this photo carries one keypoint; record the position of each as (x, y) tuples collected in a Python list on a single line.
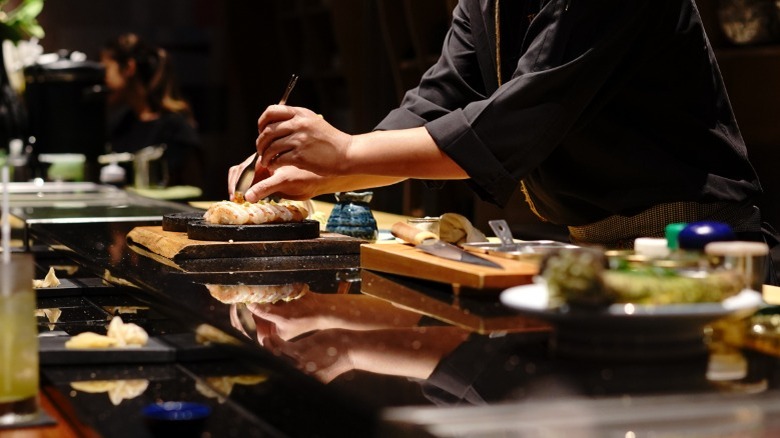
[(410, 233)]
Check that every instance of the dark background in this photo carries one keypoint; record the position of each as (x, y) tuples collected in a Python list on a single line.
[(355, 59)]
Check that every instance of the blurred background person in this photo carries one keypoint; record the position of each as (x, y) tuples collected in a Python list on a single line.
[(145, 108)]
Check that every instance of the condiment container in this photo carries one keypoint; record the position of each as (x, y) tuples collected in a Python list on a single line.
[(651, 247), (747, 258), (352, 216), (695, 236), (672, 233)]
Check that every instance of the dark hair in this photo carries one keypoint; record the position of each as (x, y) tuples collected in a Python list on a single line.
[(153, 71)]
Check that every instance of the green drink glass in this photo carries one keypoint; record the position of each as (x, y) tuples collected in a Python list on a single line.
[(19, 369)]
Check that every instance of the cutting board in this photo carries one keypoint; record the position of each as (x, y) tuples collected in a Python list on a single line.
[(177, 246), (406, 260)]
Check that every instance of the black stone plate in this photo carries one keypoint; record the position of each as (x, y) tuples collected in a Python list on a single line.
[(178, 221), (201, 230)]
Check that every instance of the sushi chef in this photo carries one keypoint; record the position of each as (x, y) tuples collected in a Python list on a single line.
[(611, 116)]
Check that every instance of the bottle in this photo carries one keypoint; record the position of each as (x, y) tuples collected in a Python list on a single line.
[(672, 231), (18, 161), (692, 240), (695, 236)]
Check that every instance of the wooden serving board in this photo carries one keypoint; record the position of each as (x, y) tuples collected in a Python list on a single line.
[(177, 246), (406, 260)]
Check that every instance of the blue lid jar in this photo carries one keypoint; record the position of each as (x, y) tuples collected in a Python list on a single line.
[(696, 235)]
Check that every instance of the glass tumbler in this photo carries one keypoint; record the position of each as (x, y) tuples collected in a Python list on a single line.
[(426, 224), (18, 342)]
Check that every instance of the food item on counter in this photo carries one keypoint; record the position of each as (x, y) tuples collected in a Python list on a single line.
[(120, 334), (258, 294), (651, 287), (581, 277), (262, 212), (221, 387), (118, 390), (127, 334), (206, 334), (455, 228), (90, 340), (124, 310), (50, 280), (53, 315), (574, 277)]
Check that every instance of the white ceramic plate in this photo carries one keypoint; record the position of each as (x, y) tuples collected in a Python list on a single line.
[(533, 300), (627, 331)]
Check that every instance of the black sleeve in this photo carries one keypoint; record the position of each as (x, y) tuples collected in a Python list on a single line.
[(571, 50)]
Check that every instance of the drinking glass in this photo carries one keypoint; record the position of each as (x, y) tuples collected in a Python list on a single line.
[(426, 224), (18, 342)]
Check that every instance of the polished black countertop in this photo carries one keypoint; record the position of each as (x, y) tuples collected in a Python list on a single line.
[(361, 353)]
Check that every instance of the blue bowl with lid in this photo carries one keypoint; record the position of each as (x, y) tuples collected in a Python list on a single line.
[(176, 418), (695, 236)]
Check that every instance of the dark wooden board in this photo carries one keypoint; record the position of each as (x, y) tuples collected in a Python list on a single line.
[(177, 246)]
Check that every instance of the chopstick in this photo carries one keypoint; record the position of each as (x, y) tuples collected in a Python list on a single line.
[(249, 170), (288, 90)]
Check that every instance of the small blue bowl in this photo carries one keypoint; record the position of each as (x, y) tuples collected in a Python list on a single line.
[(181, 418)]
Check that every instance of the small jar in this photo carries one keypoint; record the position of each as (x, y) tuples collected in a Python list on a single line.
[(749, 259), (352, 216), (651, 247), (426, 224)]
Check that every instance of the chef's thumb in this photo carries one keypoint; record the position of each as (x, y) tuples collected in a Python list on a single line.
[(262, 189)]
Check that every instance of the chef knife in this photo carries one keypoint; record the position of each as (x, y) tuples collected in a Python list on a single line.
[(430, 243)]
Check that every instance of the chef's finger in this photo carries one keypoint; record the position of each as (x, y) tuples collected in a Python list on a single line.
[(262, 189), (273, 115), (268, 124), (234, 173)]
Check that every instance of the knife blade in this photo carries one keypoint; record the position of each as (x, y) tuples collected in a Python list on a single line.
[(430, 243)]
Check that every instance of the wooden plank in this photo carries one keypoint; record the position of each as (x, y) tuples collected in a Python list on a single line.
[(403, 259), (177, 246)]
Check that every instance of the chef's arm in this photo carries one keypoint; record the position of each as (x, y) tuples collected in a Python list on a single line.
[(360, 162), (410, 153), (315, 311), (411, 353)]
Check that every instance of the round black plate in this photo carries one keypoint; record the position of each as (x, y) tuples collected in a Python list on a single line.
[(178, 221), (201, 230)]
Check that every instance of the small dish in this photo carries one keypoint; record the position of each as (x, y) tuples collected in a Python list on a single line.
[(627, 331), (533, 250)]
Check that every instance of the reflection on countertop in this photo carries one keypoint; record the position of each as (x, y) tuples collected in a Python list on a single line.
[(355, 346)]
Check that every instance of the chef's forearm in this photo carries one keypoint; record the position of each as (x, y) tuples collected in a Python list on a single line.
[(409, 153)]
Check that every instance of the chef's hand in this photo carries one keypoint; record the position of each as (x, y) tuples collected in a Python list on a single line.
[(292, 319), (324, 354), (294, 136), (234, 173), (287, 182)]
